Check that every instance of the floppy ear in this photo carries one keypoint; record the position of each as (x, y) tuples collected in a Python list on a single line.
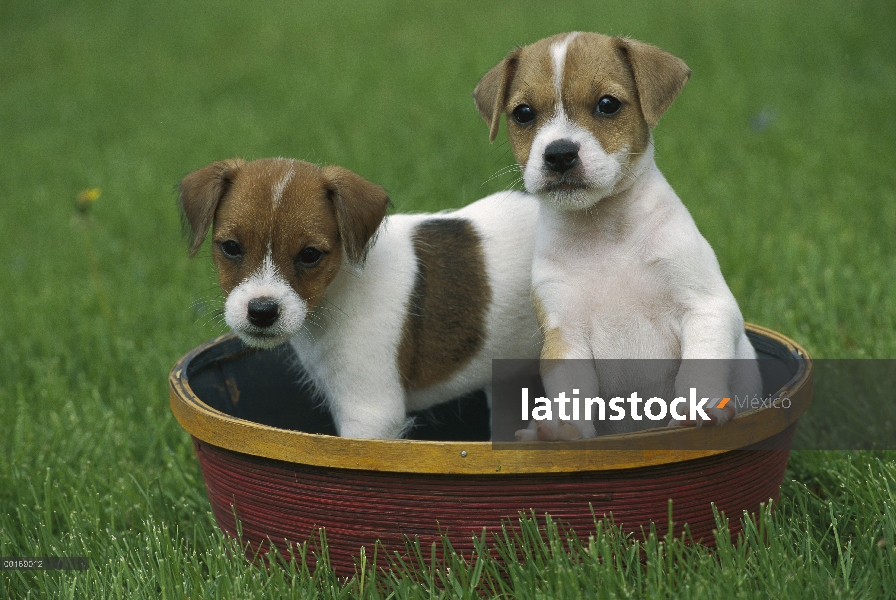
[(490, 93), (658, 75), (200, 193), (360, 208)]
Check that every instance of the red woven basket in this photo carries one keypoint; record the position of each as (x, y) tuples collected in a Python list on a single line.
[(244, 409)]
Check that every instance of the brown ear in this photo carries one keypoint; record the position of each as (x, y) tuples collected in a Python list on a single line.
[(490, 93), (658, 75), (360, 208), (200, 193)]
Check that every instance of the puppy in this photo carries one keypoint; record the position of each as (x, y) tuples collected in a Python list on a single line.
[(620, 269), (386, 314)]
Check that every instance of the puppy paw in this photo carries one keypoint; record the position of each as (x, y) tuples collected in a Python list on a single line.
[(549, 432), (567, 432), (546, 432), (720, 416), (526, 435), (561, 432)]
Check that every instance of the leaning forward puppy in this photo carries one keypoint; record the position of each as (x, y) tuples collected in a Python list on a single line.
[(386, 314), (620, 269)]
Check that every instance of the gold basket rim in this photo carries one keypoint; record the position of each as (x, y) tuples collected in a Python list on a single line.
[(442, 457)]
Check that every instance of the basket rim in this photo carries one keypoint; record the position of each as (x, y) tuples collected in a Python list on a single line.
[(447, 457)]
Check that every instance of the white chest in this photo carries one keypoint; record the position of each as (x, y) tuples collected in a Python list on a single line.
[(608, 290)]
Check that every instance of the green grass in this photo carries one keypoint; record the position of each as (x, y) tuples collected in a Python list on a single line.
[(782, 146)]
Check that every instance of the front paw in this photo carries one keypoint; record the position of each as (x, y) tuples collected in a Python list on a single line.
[(526, 435)]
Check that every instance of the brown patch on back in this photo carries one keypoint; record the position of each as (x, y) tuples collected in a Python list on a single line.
[(445, 323)]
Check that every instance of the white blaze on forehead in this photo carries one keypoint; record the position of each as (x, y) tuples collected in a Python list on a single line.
[(280, 186), (558, 60), (267, 271), (266, 281)]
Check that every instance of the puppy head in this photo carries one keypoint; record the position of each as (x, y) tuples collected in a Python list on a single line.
[(281, 230), (579, 110)]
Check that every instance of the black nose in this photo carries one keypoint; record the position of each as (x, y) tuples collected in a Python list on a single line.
[(561, 155), (263, 312)]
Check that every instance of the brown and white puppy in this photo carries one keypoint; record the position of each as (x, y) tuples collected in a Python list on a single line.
[(386, 314), (620, 269)]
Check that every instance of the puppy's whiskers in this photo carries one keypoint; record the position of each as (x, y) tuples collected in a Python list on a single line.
[(208, 310), (350, 272), (216, 317), (516, 184), (332, 307), (322, 315), (504, 171)]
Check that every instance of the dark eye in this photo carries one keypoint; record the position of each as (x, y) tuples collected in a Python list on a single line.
[(523, 114), (608, 105), (231, 249), (309, 257)]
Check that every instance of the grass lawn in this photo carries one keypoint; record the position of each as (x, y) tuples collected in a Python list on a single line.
[(783, 146)]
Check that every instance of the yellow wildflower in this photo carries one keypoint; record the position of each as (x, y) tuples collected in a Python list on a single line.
[(87, 197)]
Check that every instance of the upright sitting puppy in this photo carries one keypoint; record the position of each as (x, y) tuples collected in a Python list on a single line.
[(385, 317), (620, 269)]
